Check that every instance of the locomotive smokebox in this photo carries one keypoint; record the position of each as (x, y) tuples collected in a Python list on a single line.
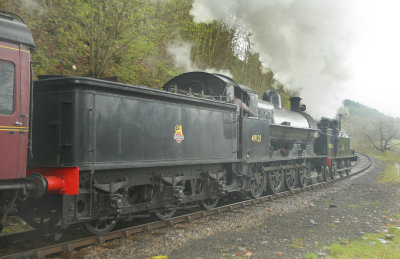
[(295, 104)]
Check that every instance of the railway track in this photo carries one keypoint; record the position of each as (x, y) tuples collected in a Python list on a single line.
[(363, 163)]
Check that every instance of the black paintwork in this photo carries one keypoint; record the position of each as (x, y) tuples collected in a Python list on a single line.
[(97, 124), (255, 140), (124, 140), (324, 144)]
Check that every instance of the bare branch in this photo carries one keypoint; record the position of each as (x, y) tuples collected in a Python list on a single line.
[(382, 136)]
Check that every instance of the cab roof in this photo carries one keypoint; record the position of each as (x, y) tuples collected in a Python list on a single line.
[(210, 83), (15, 31)]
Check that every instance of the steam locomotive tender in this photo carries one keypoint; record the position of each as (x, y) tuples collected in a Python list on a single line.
[(102, 151)]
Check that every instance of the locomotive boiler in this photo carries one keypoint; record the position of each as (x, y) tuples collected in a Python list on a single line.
[(291, 131)]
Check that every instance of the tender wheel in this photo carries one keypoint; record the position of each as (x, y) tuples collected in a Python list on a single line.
[(340, 165), (274, 181), (257, 183), (199, 187), (41, 223), (165, 214), (302, 177), (290, 180), (40, 219), (209, 204), (99, 227)]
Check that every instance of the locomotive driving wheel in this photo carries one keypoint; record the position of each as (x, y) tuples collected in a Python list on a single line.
[(348, 165), (257, 183), (99, 227), (333, 170), (290, 179), (340, 165), (275, 179), (302, 176), (325, 174)]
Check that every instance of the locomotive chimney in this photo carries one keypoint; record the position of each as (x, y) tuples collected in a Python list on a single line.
[(295, 104)]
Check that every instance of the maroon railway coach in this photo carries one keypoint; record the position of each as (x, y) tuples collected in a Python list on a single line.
[(16, 181)]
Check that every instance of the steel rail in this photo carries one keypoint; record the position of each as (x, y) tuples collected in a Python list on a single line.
[(71, 246)]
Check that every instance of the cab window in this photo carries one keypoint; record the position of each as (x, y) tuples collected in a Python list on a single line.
[(253, 103), (6, 87)]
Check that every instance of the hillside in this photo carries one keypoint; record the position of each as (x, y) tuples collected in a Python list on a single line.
[(361, 121), (364, 111), (139, 42)]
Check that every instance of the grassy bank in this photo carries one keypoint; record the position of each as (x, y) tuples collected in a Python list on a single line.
[(381, 245), (385, 244), (390, 173)]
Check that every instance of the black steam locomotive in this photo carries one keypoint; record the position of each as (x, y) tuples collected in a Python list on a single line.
[(103, 151), (137, 150)]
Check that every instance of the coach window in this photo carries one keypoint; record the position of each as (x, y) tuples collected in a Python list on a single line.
[(6, 87)]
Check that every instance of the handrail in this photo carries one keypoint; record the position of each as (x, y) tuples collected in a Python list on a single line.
[(13, 15)]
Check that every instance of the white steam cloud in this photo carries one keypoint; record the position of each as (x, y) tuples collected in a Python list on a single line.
[(304, 42), (31, 4), (181, 52)]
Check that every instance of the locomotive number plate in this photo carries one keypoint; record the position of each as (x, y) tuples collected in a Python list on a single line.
[(256, 138)]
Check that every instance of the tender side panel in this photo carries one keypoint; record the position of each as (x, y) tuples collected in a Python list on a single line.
[(142, 130), (105, 128)]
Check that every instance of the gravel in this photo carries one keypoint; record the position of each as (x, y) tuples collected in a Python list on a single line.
[(289, 227)]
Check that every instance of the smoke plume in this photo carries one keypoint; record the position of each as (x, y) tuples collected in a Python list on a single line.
[(31, 4), (304, 42), (181, 52)]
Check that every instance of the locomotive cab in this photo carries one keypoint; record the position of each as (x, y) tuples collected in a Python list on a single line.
[(215, 87), (248, 99), (325, 143), (203, 85)]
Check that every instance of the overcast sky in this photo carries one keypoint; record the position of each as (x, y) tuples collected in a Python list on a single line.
[(329, 50), (374, 57)]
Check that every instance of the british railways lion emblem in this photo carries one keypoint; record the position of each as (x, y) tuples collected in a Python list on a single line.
[(178, 136)]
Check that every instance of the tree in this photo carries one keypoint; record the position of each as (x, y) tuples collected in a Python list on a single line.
[(129, 39), (111, 28), (382, 136)]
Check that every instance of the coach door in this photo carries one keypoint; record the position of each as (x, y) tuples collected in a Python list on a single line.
[(11, 123)]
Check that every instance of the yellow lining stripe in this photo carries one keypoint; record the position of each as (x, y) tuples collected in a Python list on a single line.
[(13, 127), (2, 46), (23, 130)]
